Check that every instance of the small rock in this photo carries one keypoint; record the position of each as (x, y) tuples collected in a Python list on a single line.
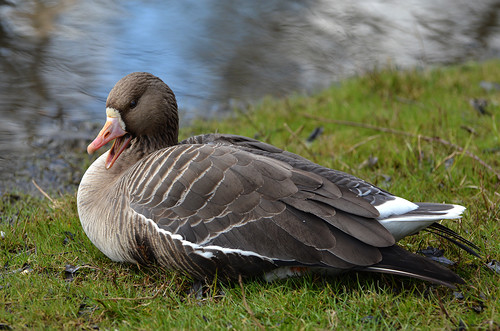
[(387, 178), (461, 326), (477, 308), (449, 162), (431, 251), (370, 318), (492, 150), (26, 269), (436, 255), (479, 105), (70, 236), (494, 265), (371, 162), (488, 86), (85, 309), (69, 272)]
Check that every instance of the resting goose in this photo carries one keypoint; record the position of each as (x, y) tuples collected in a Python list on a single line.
[(231, 205)]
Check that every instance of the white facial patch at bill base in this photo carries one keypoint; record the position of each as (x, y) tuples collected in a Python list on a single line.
[(113, 113)]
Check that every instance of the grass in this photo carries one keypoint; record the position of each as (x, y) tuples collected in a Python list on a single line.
[(43, 239)]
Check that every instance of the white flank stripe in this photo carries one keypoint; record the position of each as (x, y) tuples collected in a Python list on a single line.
[(206, 255), (205, 251)]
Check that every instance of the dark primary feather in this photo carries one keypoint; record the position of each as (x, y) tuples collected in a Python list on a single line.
[(400, 262), (454, 238)]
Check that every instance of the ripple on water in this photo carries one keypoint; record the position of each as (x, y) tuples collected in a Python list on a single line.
[(59, 59)]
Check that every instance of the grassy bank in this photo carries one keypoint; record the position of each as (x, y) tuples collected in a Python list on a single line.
[(413, 133)]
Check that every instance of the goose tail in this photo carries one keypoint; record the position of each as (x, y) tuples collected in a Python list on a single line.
[(397, 261), (422, 216)]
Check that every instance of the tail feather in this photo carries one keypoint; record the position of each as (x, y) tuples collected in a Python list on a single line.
[(396, 260), (409, 223), (455, 238)]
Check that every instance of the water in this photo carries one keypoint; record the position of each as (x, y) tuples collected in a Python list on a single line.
[(59, 59)]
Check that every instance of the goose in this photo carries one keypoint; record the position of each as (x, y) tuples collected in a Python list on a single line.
[(221, 205)]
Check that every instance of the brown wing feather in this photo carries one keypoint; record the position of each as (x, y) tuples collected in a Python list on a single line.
[(222, 196), (365, 190)]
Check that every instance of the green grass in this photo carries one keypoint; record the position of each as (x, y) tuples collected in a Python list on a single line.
[(42, 237)]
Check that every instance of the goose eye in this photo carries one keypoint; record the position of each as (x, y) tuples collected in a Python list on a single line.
[(133, 103)]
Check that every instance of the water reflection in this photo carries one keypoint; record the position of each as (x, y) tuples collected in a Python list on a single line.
[(59, 59)]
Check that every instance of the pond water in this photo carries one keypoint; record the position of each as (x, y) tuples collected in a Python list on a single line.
[(59, 59)]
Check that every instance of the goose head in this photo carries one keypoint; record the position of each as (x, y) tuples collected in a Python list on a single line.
[(142, 117)]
